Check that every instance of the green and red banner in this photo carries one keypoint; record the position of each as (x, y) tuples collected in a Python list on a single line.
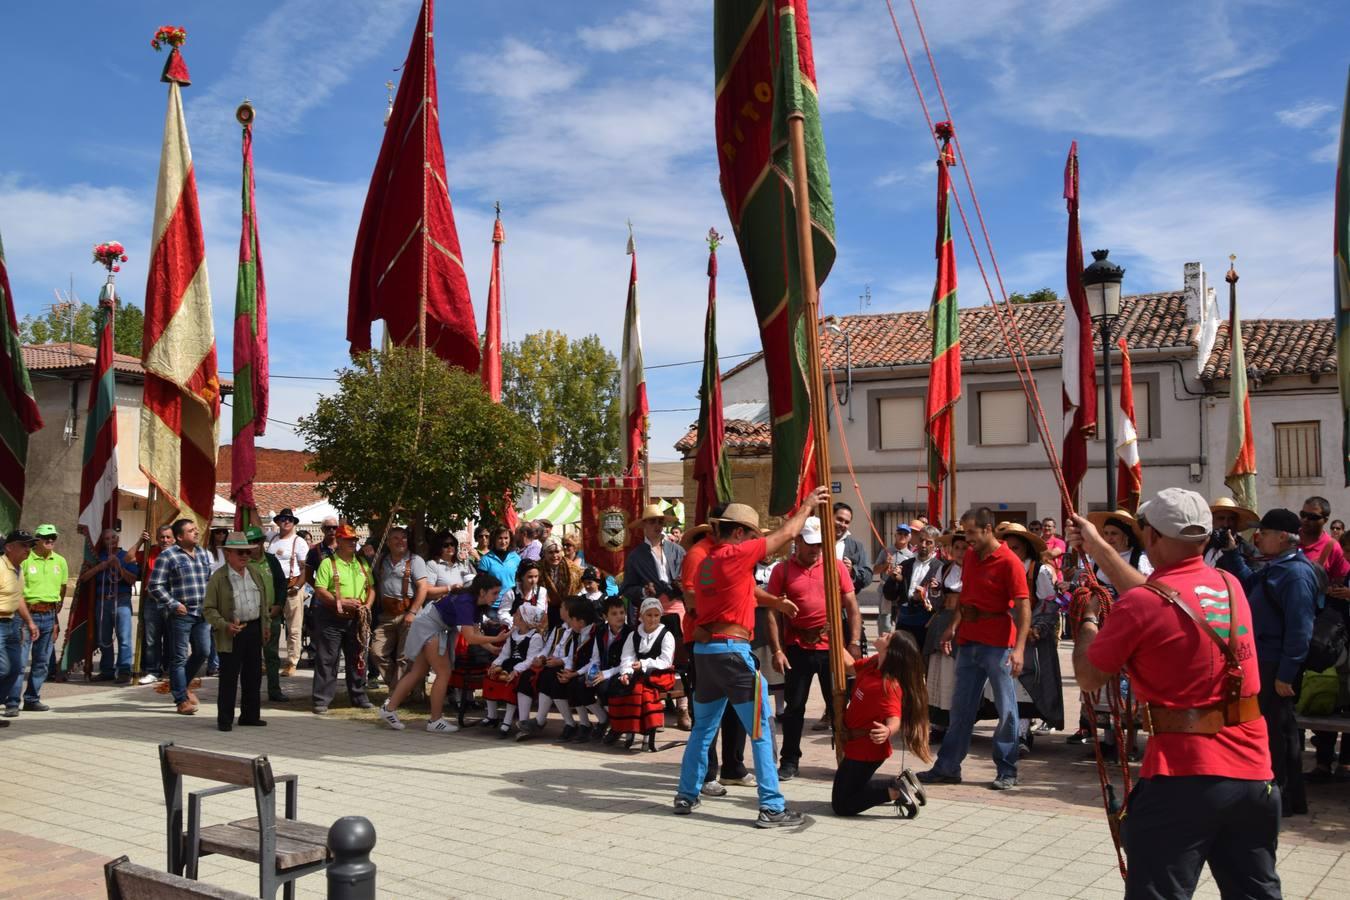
[(1341, 256), (98, 475), (19, 415), (711, 472), (1240, 472), (765, 74), (944, 372), (250, 345)]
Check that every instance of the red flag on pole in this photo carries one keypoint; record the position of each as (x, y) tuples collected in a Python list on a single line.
[(711, 472), (944, 371), (1079, 365), (632, 377), (1129, 469), (492, 350), (407, 268), (250, 344)]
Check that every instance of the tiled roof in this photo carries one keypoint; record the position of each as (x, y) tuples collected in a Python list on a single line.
[(904, 338), (64, 357), (549, 482), (1275, 347), (740, 435), (274, 465), (273, 497)]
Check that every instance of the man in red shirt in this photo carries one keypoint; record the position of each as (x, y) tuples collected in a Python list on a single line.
[(806, 636), (725, 671), (990, 627), (1205, 793)]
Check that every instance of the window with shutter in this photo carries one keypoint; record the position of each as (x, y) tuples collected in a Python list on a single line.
[(900, 423), (1003, 418), (1298, 450)]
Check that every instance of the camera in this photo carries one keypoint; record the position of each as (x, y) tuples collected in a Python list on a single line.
[(1221, 536)]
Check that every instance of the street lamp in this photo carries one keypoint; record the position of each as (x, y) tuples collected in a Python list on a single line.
[(1101, 283), (832, 326)]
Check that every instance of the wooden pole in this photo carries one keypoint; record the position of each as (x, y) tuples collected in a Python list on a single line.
[(819, 424), (952, 506)]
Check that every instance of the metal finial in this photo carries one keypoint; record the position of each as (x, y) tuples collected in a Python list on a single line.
[(499, 208), (1232, 275), (389, 109), (632, 245)]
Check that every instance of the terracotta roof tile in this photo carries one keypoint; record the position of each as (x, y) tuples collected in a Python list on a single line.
[(1276, 347), (61, 357), (740, 435), (274, 465)]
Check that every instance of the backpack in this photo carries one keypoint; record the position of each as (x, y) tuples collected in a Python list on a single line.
[(1318, 694), (1330, 640)]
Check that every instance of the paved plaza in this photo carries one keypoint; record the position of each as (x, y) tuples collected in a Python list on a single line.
[(471, 815)]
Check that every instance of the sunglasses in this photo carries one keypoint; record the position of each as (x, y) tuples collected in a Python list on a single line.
[(1311, 517)]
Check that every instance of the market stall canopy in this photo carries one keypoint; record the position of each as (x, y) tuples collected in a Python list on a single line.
[(561, 507)]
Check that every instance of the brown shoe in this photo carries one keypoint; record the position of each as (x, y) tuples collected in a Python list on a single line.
[(683, 722), (192, 698), (196, 683), (187, 708), (287, 670), (162, 686)]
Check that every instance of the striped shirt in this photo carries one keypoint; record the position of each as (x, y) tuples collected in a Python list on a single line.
[(180, 578)]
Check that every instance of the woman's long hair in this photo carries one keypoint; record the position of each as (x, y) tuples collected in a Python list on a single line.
[(903, 664)]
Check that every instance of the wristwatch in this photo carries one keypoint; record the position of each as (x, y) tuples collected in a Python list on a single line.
[(1090, 619)]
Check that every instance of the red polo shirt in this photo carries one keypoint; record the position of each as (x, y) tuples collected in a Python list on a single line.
[(689, 570), (991, 584), (726, 583), (1172, 663), (806, 588), (874, 699)]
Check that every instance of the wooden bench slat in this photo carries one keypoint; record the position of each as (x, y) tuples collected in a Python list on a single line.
[(242, 843), (237, 770), (296, 831), (143, 883)]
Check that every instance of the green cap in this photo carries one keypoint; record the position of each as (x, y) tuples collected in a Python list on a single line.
[(254, 533), (45, 531)]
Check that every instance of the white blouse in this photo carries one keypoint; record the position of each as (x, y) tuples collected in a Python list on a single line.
[(644, 641)]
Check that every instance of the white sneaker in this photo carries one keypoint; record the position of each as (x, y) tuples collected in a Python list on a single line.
[(390, 718), (440, 726), (147, 679)]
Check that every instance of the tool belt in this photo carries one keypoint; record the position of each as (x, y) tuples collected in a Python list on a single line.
[(721, 631), (974, 614), (1201, 720), (808, 635), (394, 606)]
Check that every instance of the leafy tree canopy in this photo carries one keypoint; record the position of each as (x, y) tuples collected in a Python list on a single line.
[(1044, 295), (55, 327), (569, 391), (401, 433)]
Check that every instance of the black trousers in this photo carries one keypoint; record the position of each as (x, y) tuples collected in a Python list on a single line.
[(1286, 756), (854, 788), (333, 635), (1324, 742), (732, 739), (806, 665), (241, 674), (1175, 825)]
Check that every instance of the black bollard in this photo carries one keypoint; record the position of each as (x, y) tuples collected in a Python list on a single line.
[(351, 876)]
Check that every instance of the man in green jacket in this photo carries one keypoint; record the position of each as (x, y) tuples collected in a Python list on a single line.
[(274, 576), (235, 607)]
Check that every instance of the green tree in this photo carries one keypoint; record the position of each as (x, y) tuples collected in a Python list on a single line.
[(1044, 295), (401, 433), (56, 327), (568, 390)]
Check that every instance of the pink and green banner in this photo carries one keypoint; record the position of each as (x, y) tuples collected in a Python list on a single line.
[(944, 371), (250, 344)]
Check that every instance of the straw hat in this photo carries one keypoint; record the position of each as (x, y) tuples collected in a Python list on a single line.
[(237, 541), (1098, 520), (690, 537), (1246, 517), (740, 514), (1017, 529), (653, 511)]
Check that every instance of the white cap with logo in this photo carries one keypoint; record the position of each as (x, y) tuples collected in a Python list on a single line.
[(811, 531), (1179, 514)]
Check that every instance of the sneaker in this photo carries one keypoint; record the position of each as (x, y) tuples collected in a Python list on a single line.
[(713, 788), (684, 806), (147, 678), (784, 818), (746, 780), (933, 776), (440, 726), (1002, 782), (392, 720), (787, 771), (35, 706)]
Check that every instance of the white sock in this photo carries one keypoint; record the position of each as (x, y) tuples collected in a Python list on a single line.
[(524, 701), (492, 709), (545, 704), (585, 713), (601, 717), (565, 709), (510, 715)]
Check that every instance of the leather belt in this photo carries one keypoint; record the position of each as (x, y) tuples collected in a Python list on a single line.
[(721, 631), (975, 614), (1199, 720), (395, 606), (43, 607), (807, 635), (853, 734)]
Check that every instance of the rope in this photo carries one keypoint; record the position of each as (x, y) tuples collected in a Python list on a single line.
[(1005, 317)]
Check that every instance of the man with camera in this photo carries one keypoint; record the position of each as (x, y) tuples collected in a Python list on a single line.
[(1230, 520), (1283, 595)]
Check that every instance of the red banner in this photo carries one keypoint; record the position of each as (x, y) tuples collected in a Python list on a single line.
[(609, 507)]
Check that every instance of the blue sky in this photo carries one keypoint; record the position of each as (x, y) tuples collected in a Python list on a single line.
[(1205, 127)]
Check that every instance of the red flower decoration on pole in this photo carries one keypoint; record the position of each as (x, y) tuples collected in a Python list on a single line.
[(173, 35), (108, 254)]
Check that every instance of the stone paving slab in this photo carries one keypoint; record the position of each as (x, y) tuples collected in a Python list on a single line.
[(471, 815)]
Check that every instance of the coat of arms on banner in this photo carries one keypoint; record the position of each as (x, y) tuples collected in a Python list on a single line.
[(613, 523)]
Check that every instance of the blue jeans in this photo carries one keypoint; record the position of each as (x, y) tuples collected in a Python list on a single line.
[(158, 649), (188, 630), (39, 654), (213, 659), (728, 668), (976, 664), (12, 634), (114, 614)]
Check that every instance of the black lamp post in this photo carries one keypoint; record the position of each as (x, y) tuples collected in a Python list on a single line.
[(833, 327), (1101, 282)]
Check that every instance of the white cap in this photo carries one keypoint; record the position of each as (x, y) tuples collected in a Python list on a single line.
[(1178, 513), (649, 603), (811, 531), (531, 614)]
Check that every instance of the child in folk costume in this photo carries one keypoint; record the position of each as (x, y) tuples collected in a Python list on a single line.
[(562, 682), (544, 663), (527, 592), (889, 696), (504, 678), (647, 668), (607, 658), (593, 589)]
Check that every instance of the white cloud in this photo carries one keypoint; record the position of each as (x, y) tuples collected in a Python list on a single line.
[(1305, 114), (517, 71), (658, 21)]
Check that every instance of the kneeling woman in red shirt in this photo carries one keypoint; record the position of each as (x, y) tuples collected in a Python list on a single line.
[(889, 695)]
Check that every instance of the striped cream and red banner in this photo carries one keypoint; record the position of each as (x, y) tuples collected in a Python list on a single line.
[(182, 387)]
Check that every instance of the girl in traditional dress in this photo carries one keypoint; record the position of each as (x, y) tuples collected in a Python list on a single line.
[(941, 663), (647, 668), (889, 697), (517, 656), (562, 683)]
